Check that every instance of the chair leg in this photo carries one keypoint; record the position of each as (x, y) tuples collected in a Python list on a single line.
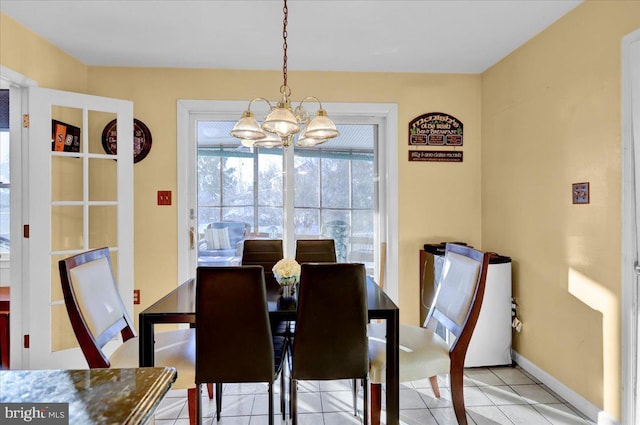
[(355, 397), (271, 403), (294, 396), (434, 386), (365, 401), (457, 394), (218, 400), (210, 390), (193, 404), (283, 406), (376, 403)]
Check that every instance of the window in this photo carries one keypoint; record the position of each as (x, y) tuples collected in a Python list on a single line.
[(191, 136), (241, 189)]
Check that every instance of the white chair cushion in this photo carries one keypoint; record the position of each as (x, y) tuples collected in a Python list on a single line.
[(173, 348), (422, 353), (457, 285), (96, 294)]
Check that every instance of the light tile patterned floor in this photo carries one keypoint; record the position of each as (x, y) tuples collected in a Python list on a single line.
[(503, 395)]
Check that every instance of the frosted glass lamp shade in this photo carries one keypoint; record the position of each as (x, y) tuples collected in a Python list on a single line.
[(247, 128), (270, 140), (281, 121), (305, 141), (321, 127)]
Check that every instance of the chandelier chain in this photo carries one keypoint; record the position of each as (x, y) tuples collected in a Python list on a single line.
[(282, 122), (285, 9)]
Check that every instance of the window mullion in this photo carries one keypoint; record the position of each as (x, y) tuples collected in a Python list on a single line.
[(256, 188), (288, 226), (221, 171)]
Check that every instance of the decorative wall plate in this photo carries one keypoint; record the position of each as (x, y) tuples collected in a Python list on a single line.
[(141, 139)]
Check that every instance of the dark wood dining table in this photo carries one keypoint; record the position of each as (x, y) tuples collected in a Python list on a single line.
[(178, 306)]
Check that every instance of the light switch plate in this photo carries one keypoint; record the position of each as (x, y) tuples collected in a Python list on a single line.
[(580, 193)]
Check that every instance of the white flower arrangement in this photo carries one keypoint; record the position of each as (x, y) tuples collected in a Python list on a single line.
[(287, 271)]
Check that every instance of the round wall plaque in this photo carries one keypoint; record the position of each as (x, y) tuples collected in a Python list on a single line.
[(141, 139)]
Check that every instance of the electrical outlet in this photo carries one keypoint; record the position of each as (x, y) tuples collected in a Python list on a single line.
[(580, 193), (516, 324), (164, 197), (136, 296)]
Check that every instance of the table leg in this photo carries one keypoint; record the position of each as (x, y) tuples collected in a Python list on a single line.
[(393, 369), (146, 339)]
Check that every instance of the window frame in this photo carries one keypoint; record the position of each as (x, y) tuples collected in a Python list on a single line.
[(386, 217)]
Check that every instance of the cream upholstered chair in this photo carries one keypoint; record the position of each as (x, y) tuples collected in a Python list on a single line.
[(98, 315), (423, 352)]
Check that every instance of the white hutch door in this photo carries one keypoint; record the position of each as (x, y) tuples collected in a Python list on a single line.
[(79, 198)]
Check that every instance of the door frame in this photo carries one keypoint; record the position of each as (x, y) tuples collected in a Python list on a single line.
[(19, 161), (388, 169), (630, 202)]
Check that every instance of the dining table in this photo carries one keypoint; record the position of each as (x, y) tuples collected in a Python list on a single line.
[(178, 306)]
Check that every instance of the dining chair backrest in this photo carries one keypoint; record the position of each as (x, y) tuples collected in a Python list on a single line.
[(315, 251), (331, 325), (265, 253), (460, 291), (94, 305), (233, 335)]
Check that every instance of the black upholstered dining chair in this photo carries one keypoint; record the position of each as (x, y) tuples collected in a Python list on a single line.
[(234, 342), (265, 253), (98, 316), (332, 349), (315, 251)]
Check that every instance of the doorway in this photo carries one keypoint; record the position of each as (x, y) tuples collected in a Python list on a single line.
[(383, 116), (630, 226)]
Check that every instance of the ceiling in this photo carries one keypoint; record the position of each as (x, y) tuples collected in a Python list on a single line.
[(448, 36)]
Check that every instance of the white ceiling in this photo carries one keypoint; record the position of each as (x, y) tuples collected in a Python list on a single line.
[(450, 36)]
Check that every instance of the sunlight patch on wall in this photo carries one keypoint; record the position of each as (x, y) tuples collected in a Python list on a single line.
[(603, 300)]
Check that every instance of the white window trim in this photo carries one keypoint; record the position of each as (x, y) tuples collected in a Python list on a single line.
[(630, 296), (385, 114)]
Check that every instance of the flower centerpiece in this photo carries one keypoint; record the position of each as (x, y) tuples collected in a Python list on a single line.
[(287, 274)]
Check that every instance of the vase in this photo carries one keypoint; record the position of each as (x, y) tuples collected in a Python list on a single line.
[(286, 280), (287, 291)]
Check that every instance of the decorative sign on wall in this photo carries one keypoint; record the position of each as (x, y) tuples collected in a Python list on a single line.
[(64, 137), (141, 139), (435, 156), (435, 129)]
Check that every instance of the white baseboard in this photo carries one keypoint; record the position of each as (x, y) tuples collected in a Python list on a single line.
[(587, 408)]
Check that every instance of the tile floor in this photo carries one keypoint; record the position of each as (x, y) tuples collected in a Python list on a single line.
[(501, 395)]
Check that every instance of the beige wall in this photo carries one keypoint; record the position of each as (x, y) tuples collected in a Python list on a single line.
[(25, 52), (437, 201), (551, 117)]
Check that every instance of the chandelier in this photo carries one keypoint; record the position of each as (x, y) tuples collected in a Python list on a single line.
[(283, 122)]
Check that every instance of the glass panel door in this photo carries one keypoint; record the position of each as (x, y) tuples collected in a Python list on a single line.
[(80, 198), (240, 193)]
